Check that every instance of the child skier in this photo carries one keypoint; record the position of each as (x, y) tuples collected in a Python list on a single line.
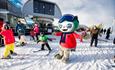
[(67, 25), (43, 41), (9, 40), (20, 29), (36, 30)]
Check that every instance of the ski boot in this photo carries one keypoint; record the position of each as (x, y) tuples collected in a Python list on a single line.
[(13, 53), (65, 60)]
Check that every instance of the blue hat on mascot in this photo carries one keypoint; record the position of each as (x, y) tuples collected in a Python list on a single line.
[(70, 18)]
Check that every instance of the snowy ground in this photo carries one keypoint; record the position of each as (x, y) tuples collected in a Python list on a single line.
[(84, 58)]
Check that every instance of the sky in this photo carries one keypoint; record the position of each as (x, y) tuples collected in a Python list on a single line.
[(89, 12)]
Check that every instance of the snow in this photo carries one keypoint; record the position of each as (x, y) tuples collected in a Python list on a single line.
[(84, 58)]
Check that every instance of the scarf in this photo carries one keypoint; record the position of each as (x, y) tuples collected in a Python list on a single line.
[(63, 37)]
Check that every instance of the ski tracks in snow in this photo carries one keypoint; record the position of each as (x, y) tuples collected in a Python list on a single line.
[(84, 58), (79, 60)]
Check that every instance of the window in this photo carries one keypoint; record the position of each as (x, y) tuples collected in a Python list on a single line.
[(43, 7)]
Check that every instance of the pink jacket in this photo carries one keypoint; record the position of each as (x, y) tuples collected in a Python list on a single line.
[(36, 29)]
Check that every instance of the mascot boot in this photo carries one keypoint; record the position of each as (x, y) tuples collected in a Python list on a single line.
[(58, 56)]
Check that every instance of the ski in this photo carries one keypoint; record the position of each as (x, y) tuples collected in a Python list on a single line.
[(42, 50), (48, 53), (6, 58), (102, 40), (20, 54), (21, 58), (37, 51)]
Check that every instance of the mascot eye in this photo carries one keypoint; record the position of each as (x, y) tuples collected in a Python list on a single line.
[(60, 26), (69, 25)]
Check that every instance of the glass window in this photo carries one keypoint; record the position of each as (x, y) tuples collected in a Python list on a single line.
[(43, 7)]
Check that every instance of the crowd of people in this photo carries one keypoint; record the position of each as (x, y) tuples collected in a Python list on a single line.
[(8, 38)]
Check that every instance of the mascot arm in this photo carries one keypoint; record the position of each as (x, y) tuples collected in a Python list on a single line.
[(78, 36), (58, 33)]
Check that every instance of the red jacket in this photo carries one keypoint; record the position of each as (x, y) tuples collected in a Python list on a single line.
[(8, 36), (70, 39), (32, 33), (36, 29)]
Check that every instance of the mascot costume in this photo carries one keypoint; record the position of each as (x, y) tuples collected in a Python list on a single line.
[(67, 25)]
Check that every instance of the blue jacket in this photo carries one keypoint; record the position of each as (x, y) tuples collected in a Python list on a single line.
[(20, 28)]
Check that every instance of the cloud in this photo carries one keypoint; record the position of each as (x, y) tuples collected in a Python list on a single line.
[(89, 11)]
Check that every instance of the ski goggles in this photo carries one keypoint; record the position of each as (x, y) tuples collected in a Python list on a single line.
[(67, 17)]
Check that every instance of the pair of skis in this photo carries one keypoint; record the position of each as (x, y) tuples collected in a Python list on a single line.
[(42, 50), (103, 40), (17, 56), (22, 56)]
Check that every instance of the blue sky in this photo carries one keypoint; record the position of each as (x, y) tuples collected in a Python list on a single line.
[(90, 12)]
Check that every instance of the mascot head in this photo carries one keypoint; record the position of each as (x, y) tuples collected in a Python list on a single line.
[(68, 23)]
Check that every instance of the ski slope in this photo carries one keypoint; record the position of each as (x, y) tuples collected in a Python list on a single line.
[(84, 58)]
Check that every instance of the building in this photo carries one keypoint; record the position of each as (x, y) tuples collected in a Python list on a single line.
[(43, 12), (10, 10)]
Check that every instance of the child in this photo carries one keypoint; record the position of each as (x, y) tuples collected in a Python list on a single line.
[(43, 41), (9, 40), (36, 30), (22, 38), (20, 28)]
